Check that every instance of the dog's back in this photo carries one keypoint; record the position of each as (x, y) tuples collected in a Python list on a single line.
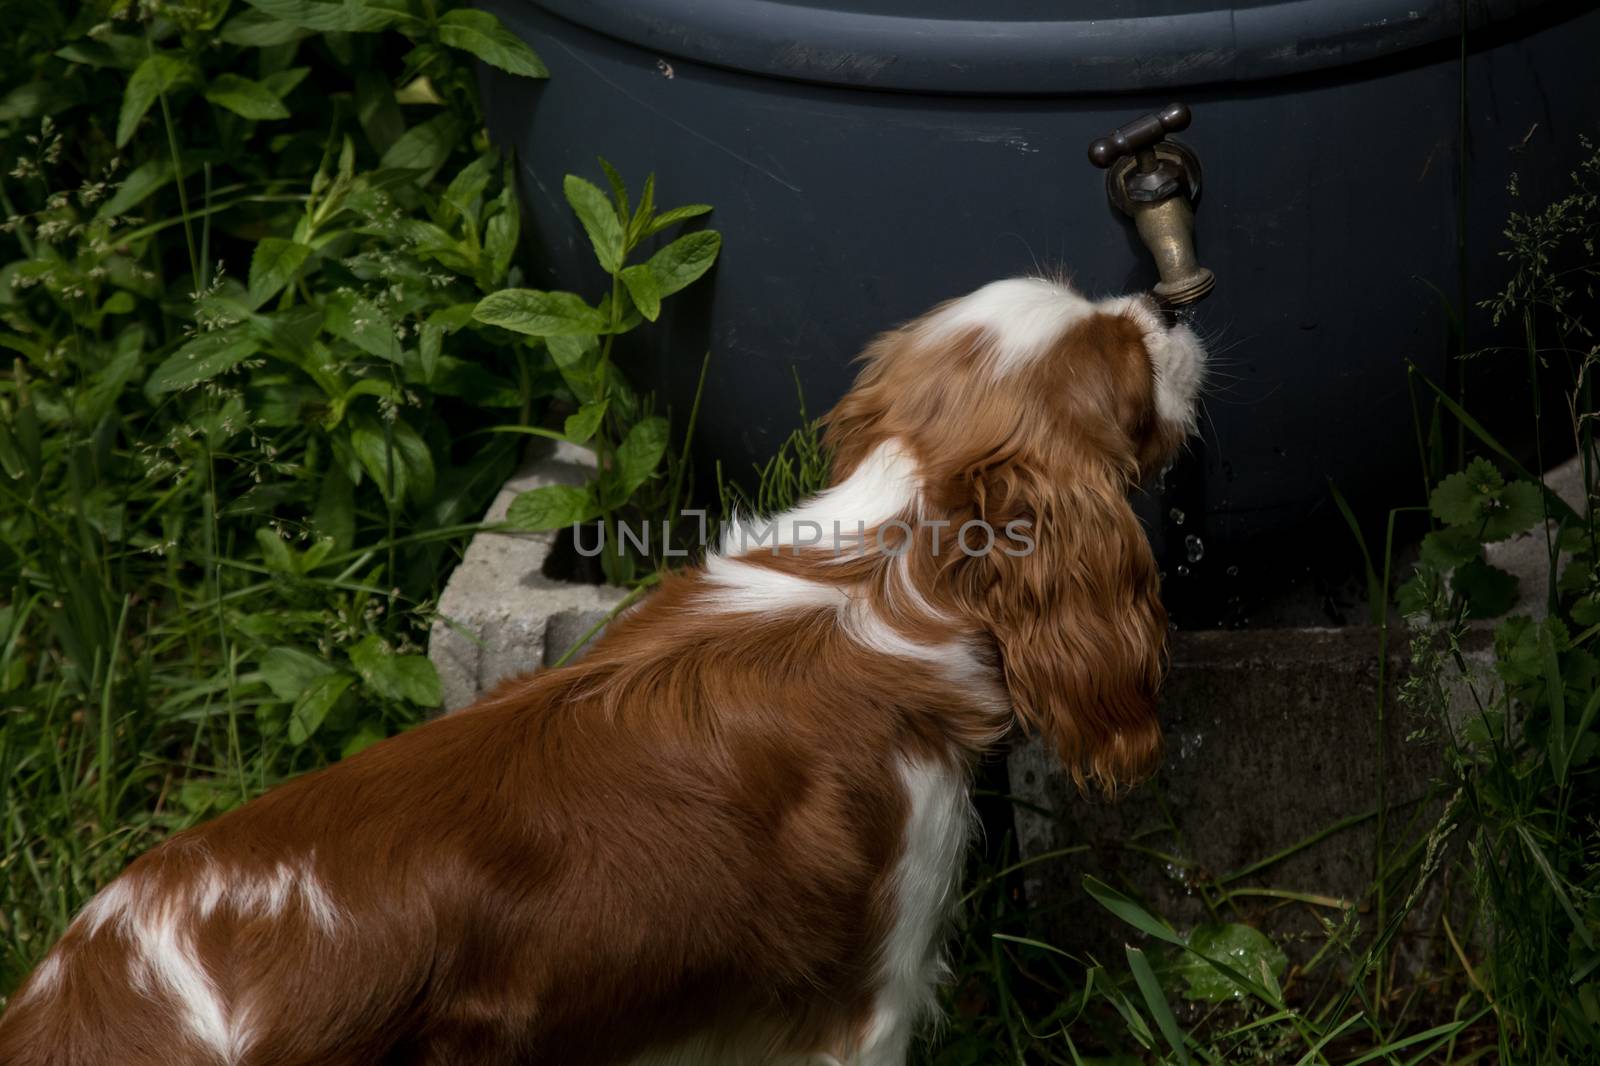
[(557, 875)]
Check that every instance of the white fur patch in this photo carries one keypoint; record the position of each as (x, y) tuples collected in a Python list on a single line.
[(1180, 365), (165, 937), (47, 977), (288, 884), (110, 905), (160, 923), (744, 587), (1024, 316), (938, 829), (1177, 359), (885, 486)]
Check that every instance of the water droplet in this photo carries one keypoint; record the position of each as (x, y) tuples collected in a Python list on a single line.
[(1177, 516), (1233, 571), (1183, 571), (1194, 548)]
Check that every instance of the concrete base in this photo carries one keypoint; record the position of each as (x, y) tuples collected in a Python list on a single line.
[(1272, 739), (504, 612)]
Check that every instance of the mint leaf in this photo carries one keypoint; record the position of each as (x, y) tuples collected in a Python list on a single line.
[(552, 507), (484, 36), (599, 220)]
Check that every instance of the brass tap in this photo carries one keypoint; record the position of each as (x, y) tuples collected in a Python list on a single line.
[(1156, 181)]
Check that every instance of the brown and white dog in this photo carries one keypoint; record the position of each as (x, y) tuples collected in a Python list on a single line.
[(733, 832)]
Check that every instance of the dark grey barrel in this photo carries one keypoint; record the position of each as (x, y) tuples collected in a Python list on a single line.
[(868, 158)]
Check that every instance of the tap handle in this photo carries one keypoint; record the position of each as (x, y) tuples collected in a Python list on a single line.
[(1140, 133)]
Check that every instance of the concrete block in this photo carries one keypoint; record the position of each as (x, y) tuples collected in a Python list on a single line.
[(1526, 556), (508, 608)]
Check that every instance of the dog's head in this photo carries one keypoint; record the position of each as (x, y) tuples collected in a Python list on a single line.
[(1032, 411)]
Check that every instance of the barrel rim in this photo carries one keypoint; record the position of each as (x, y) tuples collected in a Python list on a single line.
[(792, 40)]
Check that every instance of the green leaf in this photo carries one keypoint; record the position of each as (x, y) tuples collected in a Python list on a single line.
[(312, 557), (246, 98), (640, 221), (274, 552), (312, 708), (397, 677), (641, 283), (461, 195), (1129, 911), (257, 29), (133, 190), (340, 16), (640, 452), (619, 188), (1517, 658), (1517, 507), (1160, 1009), (288, 672), (599, 220), (427, 239), (482, 34), (201, 359), (119, 51), (571, 351), (1449, 548), (581, 424), (364, 324), (1241, 947), (501, 233), (684, 260), (159, 73), (36, 99), (1458, 499), (398, 461), (335, 516), (675, 216), (377, 110), (425, 146), (366, 735), (276, 263), (1580, 928), (552, 507), (453, 317), (206, 795), (1488, 590), (430, 345), (540, 314)]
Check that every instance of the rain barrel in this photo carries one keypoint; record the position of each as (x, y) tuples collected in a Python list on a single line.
[(868, 158)]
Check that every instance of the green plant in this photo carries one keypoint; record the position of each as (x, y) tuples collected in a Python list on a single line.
[(1523, 756), (629, 441), (799, 468), (242, 247)]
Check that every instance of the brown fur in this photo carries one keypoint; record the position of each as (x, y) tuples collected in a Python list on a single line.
[(691, 829)]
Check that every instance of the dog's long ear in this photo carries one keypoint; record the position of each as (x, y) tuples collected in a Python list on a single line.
[(1072, 598)]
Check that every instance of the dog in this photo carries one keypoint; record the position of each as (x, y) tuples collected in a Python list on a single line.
[(733, 832)]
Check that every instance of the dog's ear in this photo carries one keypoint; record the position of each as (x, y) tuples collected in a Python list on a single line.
[(1071, 595)]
